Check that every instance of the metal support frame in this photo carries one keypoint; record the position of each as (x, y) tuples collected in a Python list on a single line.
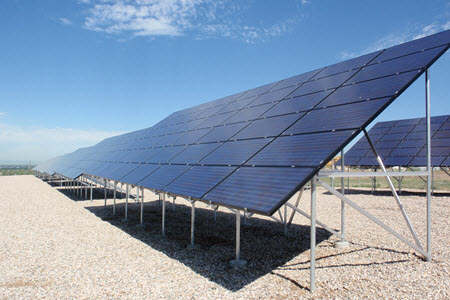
[(163, 225), (115, 196), (312, 270), (342, 243), (394, 192), (141, 220), (105, 191), (125, 219), (372, 218), (192, 245), (238, 262), (429, 177)]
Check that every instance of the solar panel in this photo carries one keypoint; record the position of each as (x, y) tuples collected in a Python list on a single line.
[(404, 144), (253, 150)]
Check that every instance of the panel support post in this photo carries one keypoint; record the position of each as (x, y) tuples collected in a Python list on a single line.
[(86, 188), (162, 200), (192, 245), (342, 243), (81, 186), (141, 218), (105, 191), (429, 177), (92, 189), (125, 219), (115, 196), (238, 262), (312, 268)]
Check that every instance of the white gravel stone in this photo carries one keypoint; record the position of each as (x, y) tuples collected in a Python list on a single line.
[(54, 246)]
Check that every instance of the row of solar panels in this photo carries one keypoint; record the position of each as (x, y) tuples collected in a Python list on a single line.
[(255, 149), (403, 143)]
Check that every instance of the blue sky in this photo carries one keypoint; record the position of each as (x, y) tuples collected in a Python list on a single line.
[(76, 71)]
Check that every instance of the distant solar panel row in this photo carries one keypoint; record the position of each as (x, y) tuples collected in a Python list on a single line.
[(255, 149), (403, 143)]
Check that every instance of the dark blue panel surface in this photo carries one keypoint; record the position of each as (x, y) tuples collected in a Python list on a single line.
[(400, 129), (139, 173), (194, 153), (425, 43), (140, 156), (191, 137), (235, 152), (397, 161), (297, 104), (214, 120), (119, 170), (251, 113), (199, 180), (347, 65), (323, 84), (296, 80), (405, 63), (238, 105), (393, 137), (403, 142), (165, 154), (420, 161), (383, 87), (222, 133), (340, 117), (273, 96), (268, 127), (446, 162), (163, 176), (259, 90), (300, 150), (368, 162), (405, 152), (258, 189)]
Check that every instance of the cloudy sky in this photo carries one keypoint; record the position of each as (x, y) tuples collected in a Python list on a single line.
[(74, 72)]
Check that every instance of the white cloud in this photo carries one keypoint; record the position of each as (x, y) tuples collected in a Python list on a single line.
[(306, 2), (396, 38), (65, 21), (200, 18), (38, 144), (2, 114)]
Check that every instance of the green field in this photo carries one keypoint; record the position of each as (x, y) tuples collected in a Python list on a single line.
[(15, 171)]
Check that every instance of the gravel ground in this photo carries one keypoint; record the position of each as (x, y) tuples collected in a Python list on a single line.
[(54, 246)]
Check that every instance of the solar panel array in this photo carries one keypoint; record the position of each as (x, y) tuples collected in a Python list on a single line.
[(255, 149), (403, 143)]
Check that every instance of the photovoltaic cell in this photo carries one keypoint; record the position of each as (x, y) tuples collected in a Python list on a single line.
[(262, 189), (163, 176), (377, 88), (297, 104), (194, 153), (300, 150), (199, 180), (268, 127), (322, 84), (234, 152), (251, 113), (222, 133), (404, 144), (140, 172), (340, 117)]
